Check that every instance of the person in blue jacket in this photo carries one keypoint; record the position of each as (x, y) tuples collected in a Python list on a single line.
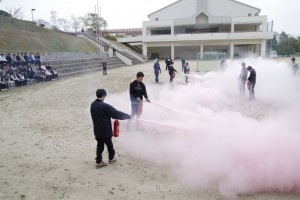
[(157, 70), (101, 115)]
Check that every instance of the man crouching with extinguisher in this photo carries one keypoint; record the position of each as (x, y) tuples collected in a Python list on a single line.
[(137, 90), (101, 115)]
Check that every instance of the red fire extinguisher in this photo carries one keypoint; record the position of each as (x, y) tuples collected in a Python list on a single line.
[(116, 128), (140, 107)]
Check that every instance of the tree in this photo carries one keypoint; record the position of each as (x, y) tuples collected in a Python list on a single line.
[(53, 17), (94, 23), (75, 22), (16, 13), (65, 24)]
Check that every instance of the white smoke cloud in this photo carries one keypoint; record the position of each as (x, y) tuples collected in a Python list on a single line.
[(210, 136)]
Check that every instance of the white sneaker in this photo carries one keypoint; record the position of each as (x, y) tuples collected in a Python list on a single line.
[(99, 165), (112, 160)]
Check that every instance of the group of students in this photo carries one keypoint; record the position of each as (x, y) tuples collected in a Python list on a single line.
[(16, 59), (169, 66), (249, 81), (20, 69)]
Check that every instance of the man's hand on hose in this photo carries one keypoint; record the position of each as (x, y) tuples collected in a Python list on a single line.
[(148, 100)]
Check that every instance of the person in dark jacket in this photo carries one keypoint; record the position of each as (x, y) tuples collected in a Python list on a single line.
[(104, 65), (101, 115), (251, 82), (172, 72), (182, 64), (9, 59), (168, 62), (137, 91)]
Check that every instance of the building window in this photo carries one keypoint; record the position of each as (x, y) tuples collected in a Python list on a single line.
[(249, 14), (156, 19)]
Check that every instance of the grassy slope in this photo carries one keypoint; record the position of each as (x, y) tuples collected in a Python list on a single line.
[(26, 36)]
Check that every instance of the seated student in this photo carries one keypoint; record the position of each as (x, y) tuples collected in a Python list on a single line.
[(22, 60), (17, 81), (38, 76), (43, 76), (22, 78), (26, 58), (9, 70), (14, 59), (32, 59), (55, 74), (2, 59), (3, 83), (43, 67), (9, 59), (18, 59), (29, 72), (48, 75), (38, 59)]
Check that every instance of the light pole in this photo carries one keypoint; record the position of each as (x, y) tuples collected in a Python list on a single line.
[(32, 13), (99, 9)]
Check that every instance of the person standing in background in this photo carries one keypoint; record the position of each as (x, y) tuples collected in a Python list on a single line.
[(242, 79), (251, 82), (182, 64), (104, 66), (172, 72), (168, 62), (157, 70), (186, 70), (295, 66)]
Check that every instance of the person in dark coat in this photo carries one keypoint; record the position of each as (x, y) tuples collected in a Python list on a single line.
[(168, 62), (172, 72), (101, 115), (104, 65), (183, 63), (251, 82)]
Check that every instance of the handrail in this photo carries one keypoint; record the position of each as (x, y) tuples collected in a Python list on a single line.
[(103, 42)]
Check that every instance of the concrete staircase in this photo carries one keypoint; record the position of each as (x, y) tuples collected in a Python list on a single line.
[(135, 57), (73, 64)]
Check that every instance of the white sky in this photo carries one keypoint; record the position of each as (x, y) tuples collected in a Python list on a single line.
[(131, 13)]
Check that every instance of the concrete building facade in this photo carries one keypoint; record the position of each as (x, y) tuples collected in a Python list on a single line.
[(188, 27)]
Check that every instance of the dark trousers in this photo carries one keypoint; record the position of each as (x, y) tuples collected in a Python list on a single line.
[(171, 78), (167, 66), (104, 71), (100, 149), (156, 76), (251, 91)]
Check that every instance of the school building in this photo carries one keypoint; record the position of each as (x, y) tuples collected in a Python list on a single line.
[(187, 27)]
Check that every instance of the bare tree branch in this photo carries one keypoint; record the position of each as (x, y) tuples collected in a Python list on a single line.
[(75, 22), (16, 13)]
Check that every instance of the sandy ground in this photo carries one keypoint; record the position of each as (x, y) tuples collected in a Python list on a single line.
[(48, 147)]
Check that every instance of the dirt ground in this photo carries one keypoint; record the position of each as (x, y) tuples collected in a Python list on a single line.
[(48, 146)]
